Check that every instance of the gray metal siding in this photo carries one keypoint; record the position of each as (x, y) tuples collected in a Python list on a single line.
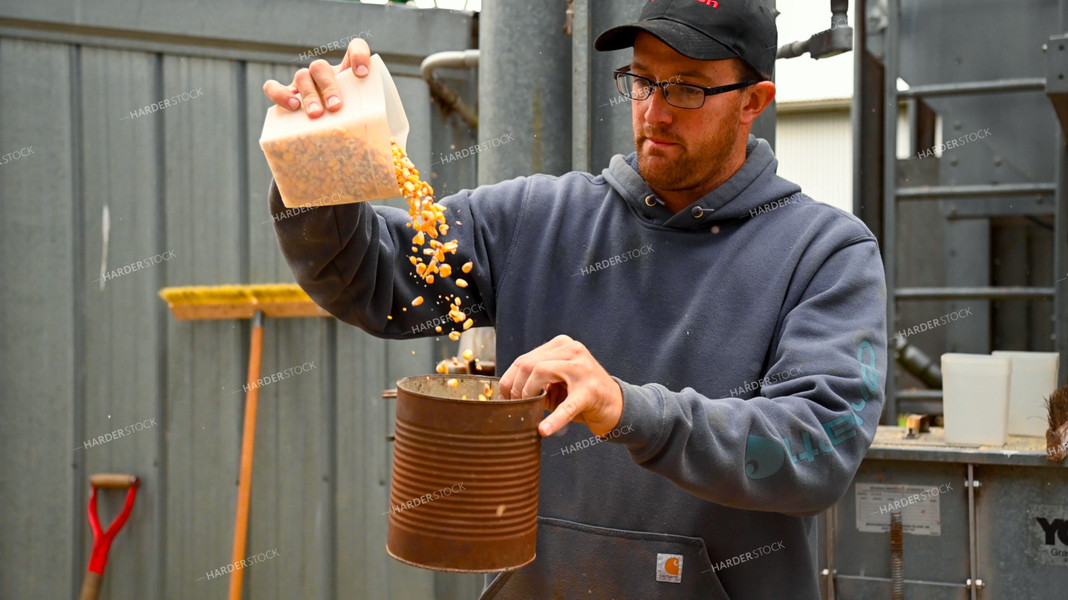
[(79, 361)]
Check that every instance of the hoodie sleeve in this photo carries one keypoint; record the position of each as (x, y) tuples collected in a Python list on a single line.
[(353, 259), (795, 446)]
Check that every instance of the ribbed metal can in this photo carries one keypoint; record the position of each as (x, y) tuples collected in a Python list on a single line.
[(464, 495)]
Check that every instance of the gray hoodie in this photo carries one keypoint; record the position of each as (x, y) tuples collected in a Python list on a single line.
[(747, 333)]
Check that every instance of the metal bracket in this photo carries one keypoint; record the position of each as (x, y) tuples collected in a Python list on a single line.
[(1057, 76)]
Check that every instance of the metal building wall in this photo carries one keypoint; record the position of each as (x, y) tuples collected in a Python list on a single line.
[(78, 361)]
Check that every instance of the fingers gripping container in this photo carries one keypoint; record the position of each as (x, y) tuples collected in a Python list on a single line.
[(340, 157)]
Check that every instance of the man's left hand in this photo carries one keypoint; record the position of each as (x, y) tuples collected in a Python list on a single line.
[(577, 386)]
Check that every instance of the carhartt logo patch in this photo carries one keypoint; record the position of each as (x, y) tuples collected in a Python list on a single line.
[(669, 568)]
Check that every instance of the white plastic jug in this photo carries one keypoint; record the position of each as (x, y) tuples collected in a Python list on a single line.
[(1034, 378), (340, 157), (975, 399)]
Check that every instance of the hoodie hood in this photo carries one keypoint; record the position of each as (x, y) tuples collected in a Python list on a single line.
[(752, 187)]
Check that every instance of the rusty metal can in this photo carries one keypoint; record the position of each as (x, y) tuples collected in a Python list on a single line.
[(464, 495)]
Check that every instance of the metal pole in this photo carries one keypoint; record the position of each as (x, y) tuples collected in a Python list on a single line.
[(891, 62), (524, 94)]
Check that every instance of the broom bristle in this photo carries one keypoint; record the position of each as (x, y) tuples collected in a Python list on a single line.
[(234, 294), (1057, 407)]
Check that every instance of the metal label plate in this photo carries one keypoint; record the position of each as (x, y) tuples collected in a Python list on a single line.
[(921, 508)]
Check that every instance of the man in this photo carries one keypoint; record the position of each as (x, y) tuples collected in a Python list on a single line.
[(720, 331)]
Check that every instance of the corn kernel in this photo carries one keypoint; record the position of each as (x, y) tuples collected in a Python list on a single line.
[(417, 301), (467, 267), (453, 383), (430, 279), (445, 270), (468, 323), (454, 336), (462, 283), (468, 354)]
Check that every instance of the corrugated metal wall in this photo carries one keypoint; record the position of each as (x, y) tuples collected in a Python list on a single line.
[(78, 360)]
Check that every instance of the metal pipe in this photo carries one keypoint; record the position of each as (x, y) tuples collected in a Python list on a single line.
[(916, 361), (997, 86), (975, 191), (443, 94), (985, 293), (793, 49)]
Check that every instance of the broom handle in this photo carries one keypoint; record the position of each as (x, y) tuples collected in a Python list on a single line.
[(248, 441)]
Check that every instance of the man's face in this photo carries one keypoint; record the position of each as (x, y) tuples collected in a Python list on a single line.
[(683, 149)]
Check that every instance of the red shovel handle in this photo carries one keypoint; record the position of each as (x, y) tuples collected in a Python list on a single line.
[(102, 539)]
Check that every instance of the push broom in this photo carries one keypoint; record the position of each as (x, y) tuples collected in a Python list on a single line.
[(243, 302)]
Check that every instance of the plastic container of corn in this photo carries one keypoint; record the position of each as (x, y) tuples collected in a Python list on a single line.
[(340, 157)]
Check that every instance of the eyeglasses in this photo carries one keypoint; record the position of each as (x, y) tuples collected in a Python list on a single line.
[(679, 95)]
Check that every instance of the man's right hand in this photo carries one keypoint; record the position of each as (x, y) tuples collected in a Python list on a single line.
[(314, 87)]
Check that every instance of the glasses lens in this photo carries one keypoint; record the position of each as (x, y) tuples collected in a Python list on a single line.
[(684, 96), (632, 86)]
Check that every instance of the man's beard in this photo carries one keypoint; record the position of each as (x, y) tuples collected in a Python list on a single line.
[(693, 168)]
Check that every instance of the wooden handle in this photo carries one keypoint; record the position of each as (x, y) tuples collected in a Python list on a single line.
[(91, 587), (248, 444), (113, 481)]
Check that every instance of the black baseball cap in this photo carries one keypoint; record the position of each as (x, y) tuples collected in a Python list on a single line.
[(705, 30)]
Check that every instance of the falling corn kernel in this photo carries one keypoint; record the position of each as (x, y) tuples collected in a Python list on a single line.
[(487, 389), (430, 279), (481, 398), (438, 329), (462, 283), (453, 383), (417, 301), (467, 267), (445, 270), (441, 368), (454, 336), (468, 323), (468, 354)]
